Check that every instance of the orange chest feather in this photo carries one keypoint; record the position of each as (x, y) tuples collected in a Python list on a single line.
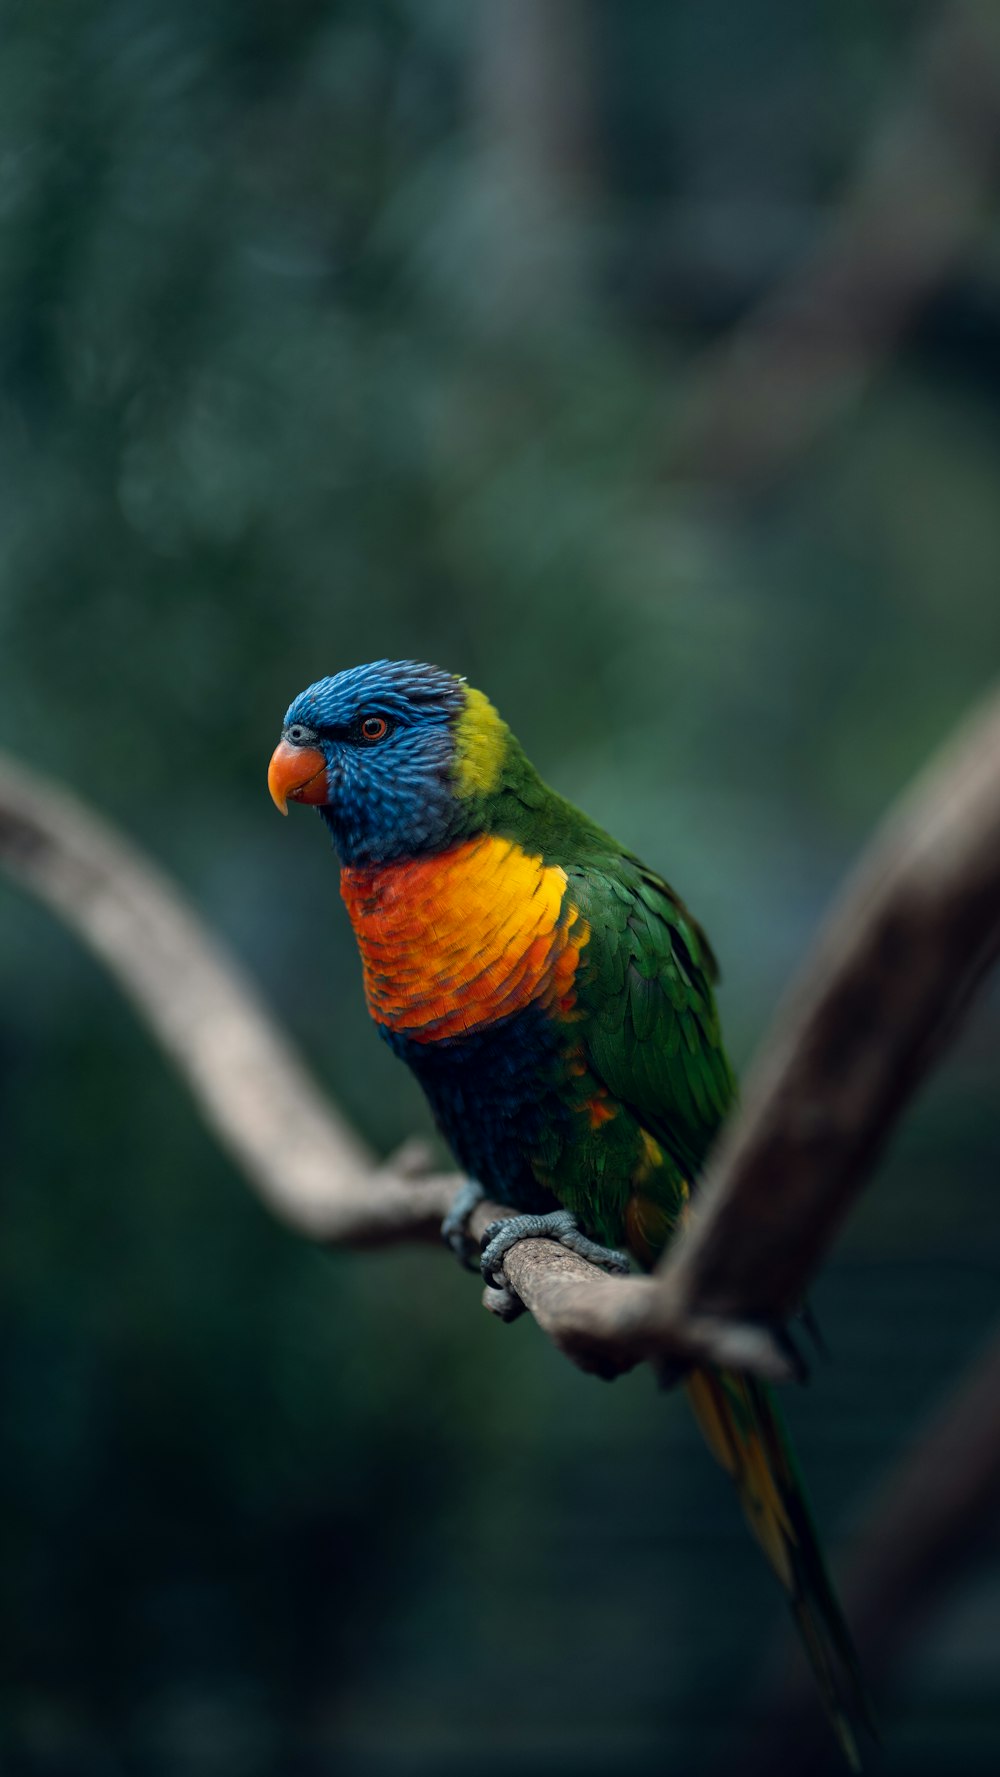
[(453, 942)]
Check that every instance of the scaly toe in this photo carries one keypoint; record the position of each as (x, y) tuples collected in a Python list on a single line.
[(491, 1231), (560, 1226), (606, 1257), (455, 1227)]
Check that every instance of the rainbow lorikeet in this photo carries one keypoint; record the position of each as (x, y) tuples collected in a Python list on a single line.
[(554, 998)]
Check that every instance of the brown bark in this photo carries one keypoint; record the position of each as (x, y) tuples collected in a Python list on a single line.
[(911, 939)]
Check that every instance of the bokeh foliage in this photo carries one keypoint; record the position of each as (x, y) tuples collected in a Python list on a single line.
[(325, 334)]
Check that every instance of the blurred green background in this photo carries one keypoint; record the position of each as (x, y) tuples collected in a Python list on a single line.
[(332, 331)]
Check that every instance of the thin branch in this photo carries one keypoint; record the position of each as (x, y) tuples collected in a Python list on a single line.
[(915, 208), (899, 962), (531, 95), (933, 1514), (935, 1511), (254, 1092)]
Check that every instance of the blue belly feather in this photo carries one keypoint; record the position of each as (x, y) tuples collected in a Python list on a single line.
[(496, 1098)]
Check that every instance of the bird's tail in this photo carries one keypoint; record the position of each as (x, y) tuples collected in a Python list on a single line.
[(743, 1427)]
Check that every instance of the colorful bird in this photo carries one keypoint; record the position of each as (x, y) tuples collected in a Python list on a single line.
[(554, 998)]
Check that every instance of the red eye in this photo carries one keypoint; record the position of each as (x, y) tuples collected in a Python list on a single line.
[(374, 728)]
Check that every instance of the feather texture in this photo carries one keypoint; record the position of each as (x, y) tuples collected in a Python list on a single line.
[(555, 999)]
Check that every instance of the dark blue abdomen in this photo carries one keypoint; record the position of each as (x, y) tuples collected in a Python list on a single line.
[(496, 1098)]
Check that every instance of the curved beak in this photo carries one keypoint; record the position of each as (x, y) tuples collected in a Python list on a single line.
[(296, 774)]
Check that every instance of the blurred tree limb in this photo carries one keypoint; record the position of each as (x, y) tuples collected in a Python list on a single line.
[(916, 205), (912, 937), (934, 1512), (531, 94)]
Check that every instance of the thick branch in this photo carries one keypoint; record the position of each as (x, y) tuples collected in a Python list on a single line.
[(913, 936), (910, 940)]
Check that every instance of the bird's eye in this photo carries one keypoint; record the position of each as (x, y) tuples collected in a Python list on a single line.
[(373, 728)]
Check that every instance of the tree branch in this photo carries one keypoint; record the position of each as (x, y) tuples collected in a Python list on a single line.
[(915, 207), (900, 959), (911, 939), (254, 1092), (935, 1510), (932, 1516)]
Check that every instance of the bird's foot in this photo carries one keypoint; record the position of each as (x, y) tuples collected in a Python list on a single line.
[(561, 1226), (455, 1227)]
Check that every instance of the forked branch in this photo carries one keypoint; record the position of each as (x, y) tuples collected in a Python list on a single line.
[(910, 940)]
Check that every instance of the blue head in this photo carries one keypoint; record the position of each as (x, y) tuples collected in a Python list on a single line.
[(392, 754)]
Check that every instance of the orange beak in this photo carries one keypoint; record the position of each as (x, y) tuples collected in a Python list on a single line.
[(296, 774)]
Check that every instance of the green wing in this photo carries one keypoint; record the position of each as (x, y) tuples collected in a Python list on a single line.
[(651, 1028)]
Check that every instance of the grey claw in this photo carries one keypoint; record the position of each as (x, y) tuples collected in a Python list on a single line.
[(503, 1303), (607, 1258), (492, 1247), (561, 1226), (455, 1229)]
